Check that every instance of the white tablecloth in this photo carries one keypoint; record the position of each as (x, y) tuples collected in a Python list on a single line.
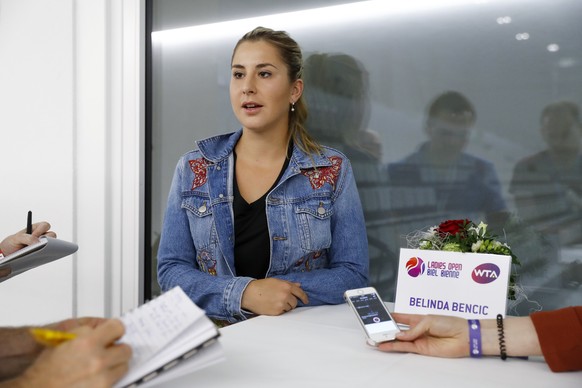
[(324, 347)]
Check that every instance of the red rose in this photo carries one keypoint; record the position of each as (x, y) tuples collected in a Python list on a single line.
[(452, 227)]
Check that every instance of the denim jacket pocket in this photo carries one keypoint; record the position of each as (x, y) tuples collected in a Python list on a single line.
[(314, 220), (200, 219)]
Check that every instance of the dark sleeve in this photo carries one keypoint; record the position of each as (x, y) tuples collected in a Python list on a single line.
[(560, 336), (403, 174), (18, 350)]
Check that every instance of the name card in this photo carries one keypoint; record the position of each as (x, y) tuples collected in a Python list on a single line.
[(467, 285)]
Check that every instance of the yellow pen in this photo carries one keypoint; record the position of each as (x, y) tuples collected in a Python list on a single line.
[(48, 337)]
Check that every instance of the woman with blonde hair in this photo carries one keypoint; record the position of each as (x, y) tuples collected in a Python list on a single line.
[(264, 219)]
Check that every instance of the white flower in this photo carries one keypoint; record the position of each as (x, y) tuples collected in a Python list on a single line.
[(425, 244), (483, 227), (476, 245), (428, 236)]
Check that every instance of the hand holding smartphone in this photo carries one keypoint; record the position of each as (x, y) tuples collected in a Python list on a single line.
[(372, 314)]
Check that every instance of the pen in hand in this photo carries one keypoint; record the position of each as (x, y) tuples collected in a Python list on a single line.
[(49, 337), (29, 223)]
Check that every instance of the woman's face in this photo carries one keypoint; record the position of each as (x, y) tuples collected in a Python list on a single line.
[(260, 90)]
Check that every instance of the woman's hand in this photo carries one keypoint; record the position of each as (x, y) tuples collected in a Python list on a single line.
[(272, 296), (431, 335), (21, 239)]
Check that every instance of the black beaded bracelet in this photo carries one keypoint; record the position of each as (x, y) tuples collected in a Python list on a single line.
[(502, 351)]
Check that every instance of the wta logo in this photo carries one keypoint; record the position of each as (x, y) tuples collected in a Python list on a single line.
[(415, 266), (485, 273)]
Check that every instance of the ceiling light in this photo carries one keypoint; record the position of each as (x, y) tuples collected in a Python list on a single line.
[(567, 62), (351, 13), (504, 20), (522, 36)]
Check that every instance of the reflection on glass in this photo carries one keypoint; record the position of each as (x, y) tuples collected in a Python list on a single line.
[(442, 181), (374, 70), (547, 189), (337, 91)]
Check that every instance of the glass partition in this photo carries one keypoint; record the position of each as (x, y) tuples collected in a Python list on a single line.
[(447, 109)]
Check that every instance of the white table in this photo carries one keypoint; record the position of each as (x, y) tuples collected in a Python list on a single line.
[(324, 347)]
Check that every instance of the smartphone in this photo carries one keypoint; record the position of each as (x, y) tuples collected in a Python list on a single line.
[(372, 314)]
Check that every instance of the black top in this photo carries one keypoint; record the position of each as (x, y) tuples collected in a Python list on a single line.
[(252, 243)]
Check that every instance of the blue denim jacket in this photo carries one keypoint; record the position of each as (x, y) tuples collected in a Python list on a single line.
[(315, 220)]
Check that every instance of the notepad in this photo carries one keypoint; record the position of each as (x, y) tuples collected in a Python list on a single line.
[(46, 250), (165, 332)]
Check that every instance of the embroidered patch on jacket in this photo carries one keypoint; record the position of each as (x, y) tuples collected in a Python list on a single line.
[(206, 262), (318, 177), (198, 167), (309, 262)]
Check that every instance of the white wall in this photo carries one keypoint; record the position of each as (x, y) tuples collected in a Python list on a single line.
[(71, 122)]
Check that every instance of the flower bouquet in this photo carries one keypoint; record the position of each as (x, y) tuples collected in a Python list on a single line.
[(465, 236)]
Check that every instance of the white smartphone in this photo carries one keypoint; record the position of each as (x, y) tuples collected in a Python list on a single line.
[(372, 314)]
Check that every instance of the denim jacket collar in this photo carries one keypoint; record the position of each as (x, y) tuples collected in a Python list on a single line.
[(216, 148)]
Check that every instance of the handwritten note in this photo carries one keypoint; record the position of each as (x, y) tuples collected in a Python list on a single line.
[(157, 323)]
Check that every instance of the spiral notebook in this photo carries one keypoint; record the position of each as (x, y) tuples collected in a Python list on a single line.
[(169, 336), (46, 250)]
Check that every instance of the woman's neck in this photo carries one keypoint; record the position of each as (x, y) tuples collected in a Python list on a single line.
[(262, 147)]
